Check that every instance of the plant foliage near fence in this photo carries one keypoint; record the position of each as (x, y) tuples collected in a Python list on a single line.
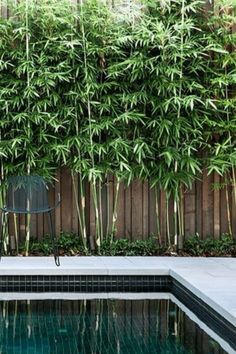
[(70, 245), (145, 92)]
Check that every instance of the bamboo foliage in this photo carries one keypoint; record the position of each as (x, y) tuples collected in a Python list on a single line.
[(135, 96), (221, 136)]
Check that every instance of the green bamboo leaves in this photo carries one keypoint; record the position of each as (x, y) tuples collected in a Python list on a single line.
[(139, 95)]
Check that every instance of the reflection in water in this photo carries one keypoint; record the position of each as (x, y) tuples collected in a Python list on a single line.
[(100, 326)]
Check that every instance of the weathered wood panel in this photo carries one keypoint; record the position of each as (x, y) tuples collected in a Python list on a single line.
[(121, 212), (205, 209), (137, 209), (190, 211), (127, 221), (216, 207), (207, 205), (198, 207)]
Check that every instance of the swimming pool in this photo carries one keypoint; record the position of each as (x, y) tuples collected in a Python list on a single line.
[(101, 326)]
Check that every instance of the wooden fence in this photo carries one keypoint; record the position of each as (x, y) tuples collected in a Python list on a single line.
[(205, 210)]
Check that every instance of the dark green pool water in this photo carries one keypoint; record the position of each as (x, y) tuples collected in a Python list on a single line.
[(100, 326)]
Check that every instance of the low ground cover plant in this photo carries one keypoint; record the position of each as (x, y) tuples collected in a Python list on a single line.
[(224, 246), (70, 245)]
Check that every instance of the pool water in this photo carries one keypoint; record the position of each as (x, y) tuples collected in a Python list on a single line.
[(100, 326)]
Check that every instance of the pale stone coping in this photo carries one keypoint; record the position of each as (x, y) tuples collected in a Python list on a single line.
[(84, 296), (211, 279)]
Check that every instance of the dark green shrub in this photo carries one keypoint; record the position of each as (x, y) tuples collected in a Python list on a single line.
[(67, 243), (125, 247), (224, 246), (41, 247), (70, 244)]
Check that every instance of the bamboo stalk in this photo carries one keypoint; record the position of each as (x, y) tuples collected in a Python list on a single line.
[(4, 217), (100, 208), (180, 219), (182, 213), (82, 197), (16, 233), (175, 223), (93, 180), (178, 116), (5, 233), (97, 219), (168, 222), (114, 214), (108, 206), (157, 215), (79, 212), (179, 224), (234, 185), (228, 210), (28, 218), (233, 171), (27, 241)]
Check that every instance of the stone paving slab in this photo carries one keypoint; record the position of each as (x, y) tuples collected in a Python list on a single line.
[(211, 279)]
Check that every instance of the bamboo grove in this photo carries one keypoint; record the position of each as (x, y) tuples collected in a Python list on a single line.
[(144, 90)]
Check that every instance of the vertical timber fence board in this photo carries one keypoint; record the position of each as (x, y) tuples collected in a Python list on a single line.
[(74, 198), (223, 212), (40, 226), (58, 209), (216, 206), (66, 198), (145, 208), (152, 217), (207, 205), (92, 218), (137, 212), (128, 214), (104, 207), (198, 206), (33, 225), (110, 201), (170, 217), (51, 198), (163, 213), (121, 212), (190, 211)]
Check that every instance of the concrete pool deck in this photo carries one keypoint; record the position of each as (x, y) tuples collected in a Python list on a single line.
[(211, 279)]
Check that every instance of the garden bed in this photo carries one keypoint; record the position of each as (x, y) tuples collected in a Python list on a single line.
[(70, 245)]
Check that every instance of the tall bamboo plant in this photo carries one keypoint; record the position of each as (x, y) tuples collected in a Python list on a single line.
[(30, 88), (221, 125), (134, 96), (166, 90)]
